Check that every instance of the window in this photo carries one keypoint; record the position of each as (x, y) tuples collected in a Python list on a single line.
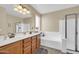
[(37, 23)]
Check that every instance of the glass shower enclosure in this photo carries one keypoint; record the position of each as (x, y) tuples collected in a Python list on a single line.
[(71, 32)]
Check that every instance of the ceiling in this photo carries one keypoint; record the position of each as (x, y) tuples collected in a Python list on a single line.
[(41, 8), (46, 8), (10, 9)]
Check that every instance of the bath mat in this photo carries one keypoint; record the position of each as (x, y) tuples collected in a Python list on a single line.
[(41, 51)]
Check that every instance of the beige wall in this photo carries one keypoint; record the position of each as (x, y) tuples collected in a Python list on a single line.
[(7, 22), (30, 21), (50, 21)]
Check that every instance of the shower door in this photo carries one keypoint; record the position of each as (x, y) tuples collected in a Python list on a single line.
[(70, 28), (78, 33)]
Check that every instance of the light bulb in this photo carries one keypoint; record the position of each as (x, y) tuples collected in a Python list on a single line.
[(24, 9), (28, 11), (19, 7), (15, 9), (20, 11)]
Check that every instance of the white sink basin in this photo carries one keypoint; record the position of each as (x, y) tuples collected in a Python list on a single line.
[(2, 38), (19, 35)]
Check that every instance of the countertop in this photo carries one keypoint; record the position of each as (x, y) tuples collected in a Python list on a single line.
[(16, 38)]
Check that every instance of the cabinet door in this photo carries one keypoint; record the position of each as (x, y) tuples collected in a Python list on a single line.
[(27, 46), (38, 41), (34, 44), (34, 40), (34, 48), (14, 48)]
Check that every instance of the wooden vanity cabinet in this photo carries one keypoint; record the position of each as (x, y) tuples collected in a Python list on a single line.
[(13, 48), (27, 46)]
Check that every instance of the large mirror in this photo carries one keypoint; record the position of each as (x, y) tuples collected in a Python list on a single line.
[(14, 20)]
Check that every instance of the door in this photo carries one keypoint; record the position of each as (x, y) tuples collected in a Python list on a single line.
[(71, 32)]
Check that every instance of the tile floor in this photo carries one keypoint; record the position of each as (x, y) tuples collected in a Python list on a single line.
[(52, 50)]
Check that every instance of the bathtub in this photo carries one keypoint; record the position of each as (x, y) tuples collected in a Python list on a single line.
[(52, 40)]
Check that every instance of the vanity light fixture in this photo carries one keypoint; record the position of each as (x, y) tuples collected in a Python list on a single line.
[(21, 9)]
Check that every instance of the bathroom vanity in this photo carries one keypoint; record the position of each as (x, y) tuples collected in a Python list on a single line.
[(27, 44)]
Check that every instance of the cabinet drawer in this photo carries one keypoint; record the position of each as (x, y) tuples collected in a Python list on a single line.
[(33, 48), (34, 37), (27, 40), (34, 44), (27, 50), (33, 40), (38, 36), (27, 44)]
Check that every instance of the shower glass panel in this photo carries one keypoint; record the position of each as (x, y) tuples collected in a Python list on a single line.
[(78, 32), (71, 32)]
